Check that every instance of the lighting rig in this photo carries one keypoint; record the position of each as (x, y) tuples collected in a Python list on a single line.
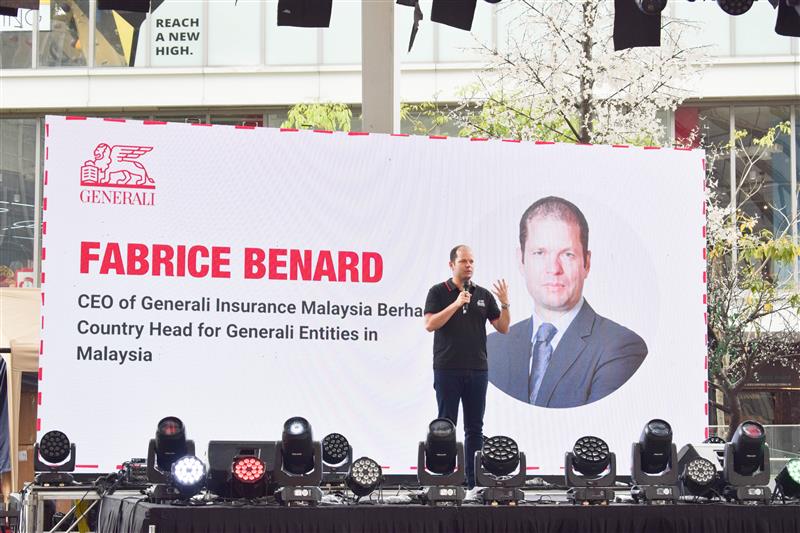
[(53, 459), (495, 464), (298, 465), (590, 472), (745, 469), (654, 468), (440, 465)]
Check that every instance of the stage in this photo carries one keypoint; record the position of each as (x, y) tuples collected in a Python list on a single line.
[(128, 514)]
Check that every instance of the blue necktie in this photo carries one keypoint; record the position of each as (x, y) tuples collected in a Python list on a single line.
[(540, 352)]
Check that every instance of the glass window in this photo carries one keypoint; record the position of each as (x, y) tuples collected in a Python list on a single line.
[(710, 127), (764, 183), (16, 37), (238, 119), (710, 26), (422, 51), (234, 33), (116, 37), (458, 45), (287, 45), (176, 34), (341, 43), (17, 201), (65, 43), (754, 32)]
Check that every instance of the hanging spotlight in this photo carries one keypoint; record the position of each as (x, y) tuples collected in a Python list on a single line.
[(364, 477), (787, 482), (169, 445), (651, 7), (337, 456), (735, 7), (498, 458), (699, 477), (53, 458), (746, 466), (305, 13), (634, 26), (249, 477), (654, 469), (440, 464), (589, 469), (298, 464), (788, 21), (188, 476)]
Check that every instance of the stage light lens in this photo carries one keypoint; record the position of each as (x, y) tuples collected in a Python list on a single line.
[(735, 7), (590, 456), (189, 475), (788, 479), (170, 442), (748, 447), (170, 426), (54, 447), (698, 476), (364, 477), (651, 7), (334, 449), (248, 469), (655, 443), (500, 455), (440, 447)]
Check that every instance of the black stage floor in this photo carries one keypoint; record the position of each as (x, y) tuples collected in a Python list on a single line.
[(128, 514)]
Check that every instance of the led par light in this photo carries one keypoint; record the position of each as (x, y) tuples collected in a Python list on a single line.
[(221, 456), (169, 445), (188, 476), (699, 477), (249, 477), (337, 456), (735, 7), (654, 469), (365, 476), (787, 482), (589, 469), (440, 464), (53, 458), (498, 458), (745, 469), (298, 464)]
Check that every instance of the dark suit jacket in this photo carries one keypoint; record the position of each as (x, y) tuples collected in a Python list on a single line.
[(594, 357)]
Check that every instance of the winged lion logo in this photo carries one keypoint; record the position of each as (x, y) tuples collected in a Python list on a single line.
[(117, 166)]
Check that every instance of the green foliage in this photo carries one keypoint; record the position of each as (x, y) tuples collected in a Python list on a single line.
[(331, 117)]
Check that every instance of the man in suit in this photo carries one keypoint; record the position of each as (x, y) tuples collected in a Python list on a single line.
[(564, 354)]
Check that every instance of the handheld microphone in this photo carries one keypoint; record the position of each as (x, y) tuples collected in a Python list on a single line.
[(467, 286)]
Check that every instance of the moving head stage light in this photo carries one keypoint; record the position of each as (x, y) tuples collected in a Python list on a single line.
[(494, 464), (590, 469), (746, 466), (53, 458), (298, 464), (654, 469), (364, 478), (169, 445), (440, 464), (787, 482), (337, 456)]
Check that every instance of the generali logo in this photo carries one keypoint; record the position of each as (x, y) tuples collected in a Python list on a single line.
[(116, 176)]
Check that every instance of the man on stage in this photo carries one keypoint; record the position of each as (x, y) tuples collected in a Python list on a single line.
[(456, 311)]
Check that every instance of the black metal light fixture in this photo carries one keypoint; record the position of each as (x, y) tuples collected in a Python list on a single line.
[(365, 477), (169, 445), (440, 464), (495, 463), (298, 464), (337, 456), (249, 477), (745, 468), (698, 478), (590, 469), (53, 459), (305, 13), (735, 7), (634, 26), (222, 457), (654, 468), (651, 7), (787, 482), (188, 476)]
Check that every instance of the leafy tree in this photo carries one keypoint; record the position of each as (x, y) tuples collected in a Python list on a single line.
[(319, 116)]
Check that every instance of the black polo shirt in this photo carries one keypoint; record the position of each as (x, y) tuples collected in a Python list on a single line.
[(461, 342)]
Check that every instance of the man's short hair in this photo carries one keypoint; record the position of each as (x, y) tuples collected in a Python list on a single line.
[(560, 209), (454, 252)]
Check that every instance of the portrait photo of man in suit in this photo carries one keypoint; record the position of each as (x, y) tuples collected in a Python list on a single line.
[(563, 354)]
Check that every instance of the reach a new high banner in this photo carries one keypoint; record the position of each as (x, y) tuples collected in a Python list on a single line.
[(237, 276)]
